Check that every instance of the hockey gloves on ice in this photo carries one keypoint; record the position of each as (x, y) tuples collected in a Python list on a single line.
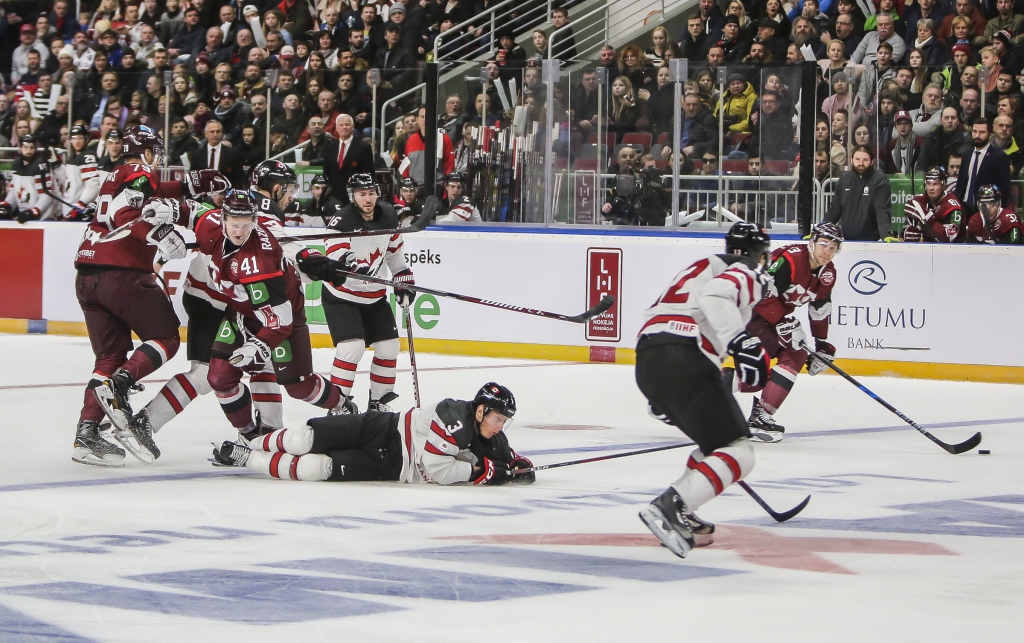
[(815, 365), (403, 296), (519, 463), (491, 472), (752, 362), (168, 241), (206, 182), (791, 332), (252, 354)]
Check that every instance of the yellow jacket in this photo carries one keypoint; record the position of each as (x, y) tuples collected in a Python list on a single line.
[(738, 109)]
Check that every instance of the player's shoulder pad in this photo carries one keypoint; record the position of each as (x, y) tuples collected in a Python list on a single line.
[(457, 416), (389, 216), (346, 219)]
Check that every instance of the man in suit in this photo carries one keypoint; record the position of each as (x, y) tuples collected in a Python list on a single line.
[(216, 155), (985, 165), (345, 157)]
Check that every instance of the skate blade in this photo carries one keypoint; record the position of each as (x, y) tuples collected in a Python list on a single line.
[(132, 446), (668, 537), (767, 437), (703, 540), (85, 456), (217, 463), (105, 397)]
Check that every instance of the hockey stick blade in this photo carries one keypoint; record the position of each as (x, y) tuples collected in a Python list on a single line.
[(966, 445), (779, 517), (606, 302), (430, 208)]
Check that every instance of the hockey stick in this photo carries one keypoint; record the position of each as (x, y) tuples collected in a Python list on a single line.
[(779, 517), (430, 207), (955, 449), (412, 355), (602, 306)]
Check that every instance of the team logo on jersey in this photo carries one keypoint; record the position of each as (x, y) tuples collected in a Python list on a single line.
[(258, 293), (867, 277), (827, 277), (233, 267)]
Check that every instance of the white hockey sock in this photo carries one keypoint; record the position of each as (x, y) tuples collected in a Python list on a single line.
[(177, 394), (346, 359), (294, 441), (311, 467), (383, 367), (266, 396), (707, 477)]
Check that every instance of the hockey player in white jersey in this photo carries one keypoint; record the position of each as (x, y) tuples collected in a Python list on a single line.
[(81, 178), (358, 313), (687, 334), (448, 442), (27, 198)]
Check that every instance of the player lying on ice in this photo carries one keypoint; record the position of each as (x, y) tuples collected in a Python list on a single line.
[(445, 443)]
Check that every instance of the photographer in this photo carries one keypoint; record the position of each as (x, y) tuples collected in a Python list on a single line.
[(637, 195)]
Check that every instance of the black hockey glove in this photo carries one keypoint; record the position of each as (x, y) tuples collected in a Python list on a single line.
[(318, 266), (815, 365), (491, 472), (28, 214), (518, 463), (5, 210), (403, 296), (752, 362)]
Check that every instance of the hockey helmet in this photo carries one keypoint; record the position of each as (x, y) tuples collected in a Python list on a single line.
[(238, 203), (748, 240), (79, 130), (455, 177), (27, 138), (270, 173), (361, 181), (408, 183), (830, 231), (319, 179), (495, 397), (137, 140), (936, 173), (988, 193)]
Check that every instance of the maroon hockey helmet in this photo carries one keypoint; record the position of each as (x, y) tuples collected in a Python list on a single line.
[(137, 140), (237, 204), (830, 231)]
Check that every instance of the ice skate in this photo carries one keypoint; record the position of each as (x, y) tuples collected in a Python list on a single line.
[(255, 430), (666, 517), (112, 394), (763, 427), (702, 530), (348, 408), (137, 438), (381, 405), (231, 454), (91, 448)]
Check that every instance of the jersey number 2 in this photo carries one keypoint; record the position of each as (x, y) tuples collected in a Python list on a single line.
[(675, 294)]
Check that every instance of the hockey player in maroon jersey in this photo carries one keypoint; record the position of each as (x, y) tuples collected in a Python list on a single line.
[(687, 334), (119, 295), (993, 223), (802, 273), (358, 314), (937, 215), (249, 267), (444, 443)]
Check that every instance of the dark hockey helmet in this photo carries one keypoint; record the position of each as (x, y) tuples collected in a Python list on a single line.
[(830, 231), (137, 140), (748, 240), (936, 173), (455, 177), (495, 397), (361, 181), (408, 183), (988, 193), (27, 138), (319, 179), (270, 173), (79, 130), (238, 203)]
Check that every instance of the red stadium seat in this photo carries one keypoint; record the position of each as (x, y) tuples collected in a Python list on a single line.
[(738, 166), (780, 168), (663, 138), (637, 138), (609, 138), (661, 164), (585, 164)]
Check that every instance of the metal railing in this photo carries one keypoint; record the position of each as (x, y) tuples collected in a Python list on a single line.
[(478, 41), (384, 107), (585, 30)]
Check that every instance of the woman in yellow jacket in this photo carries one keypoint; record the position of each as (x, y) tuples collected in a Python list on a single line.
[(739, 102)]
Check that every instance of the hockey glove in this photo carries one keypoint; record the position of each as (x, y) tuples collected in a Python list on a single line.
[(29, 214), (915, 213), (168, 241), (791, 332), (252, 354), (752, 362), (491, 472), (161, 211), (5, 210), (815, 365), (81, 212), (518, 463), (206, 182), (912, 233), (317, 266), (403, 296)]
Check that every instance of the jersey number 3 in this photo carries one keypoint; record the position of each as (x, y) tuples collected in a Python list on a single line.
[(675, 294)]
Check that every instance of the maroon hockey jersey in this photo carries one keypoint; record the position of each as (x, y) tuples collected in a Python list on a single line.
[(122, 196), (1006, 228), (797, 285), (943, 222)]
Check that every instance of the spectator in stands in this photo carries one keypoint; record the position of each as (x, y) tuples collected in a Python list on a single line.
[(181, 142), (626, 108), (961, 28), (931, 48), (231, 114), (823, 169), (868, 47), (659, 46), (805, 33), (712, 17), (738, 104), (453, 118), (874, 75), (970, 106), (414, 147), (633, 65), (191, 39), (841, 98), (1010, 56), (733, 46), (715, 57), (845, 32), (902, 152), (835, 61), (767, 35), (699, 129), (1004, 20), (990, 65), (609, 60), (584, 102), (694, 42), (747, 27), (19, 58), (904, 81), (945, 140), (1005, 86), (862, 200), (986, 164), (290, 122), (773, 11), (961, 60), (965, 9), (924, 9), (564, 46), (1002, 137), (318, 139), (928, 117), (840, 138), (660, 102), (772, 138)]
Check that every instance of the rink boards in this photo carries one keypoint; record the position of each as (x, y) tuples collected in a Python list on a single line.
[(917, 310)]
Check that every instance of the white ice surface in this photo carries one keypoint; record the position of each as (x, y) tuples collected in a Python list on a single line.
[(80, 560)]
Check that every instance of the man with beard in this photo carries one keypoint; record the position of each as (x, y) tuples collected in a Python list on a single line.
[(712, 17), (845, 31), (985, 165), (862, 201), (928, 117)]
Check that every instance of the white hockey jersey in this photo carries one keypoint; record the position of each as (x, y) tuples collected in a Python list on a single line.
[(28, 181), (711, 301), (81, 180)]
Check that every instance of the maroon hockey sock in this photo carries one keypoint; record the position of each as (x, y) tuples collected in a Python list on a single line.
[(777, 389), (151, 356), (317, 391), (104, 368), (91, 409), (237, 406)]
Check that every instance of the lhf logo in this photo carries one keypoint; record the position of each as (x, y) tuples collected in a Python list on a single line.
[(604, 277)]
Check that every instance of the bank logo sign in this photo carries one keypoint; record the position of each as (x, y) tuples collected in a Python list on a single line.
[(867, 277)]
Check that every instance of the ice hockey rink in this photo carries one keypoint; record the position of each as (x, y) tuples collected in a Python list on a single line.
[(900, 542)]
